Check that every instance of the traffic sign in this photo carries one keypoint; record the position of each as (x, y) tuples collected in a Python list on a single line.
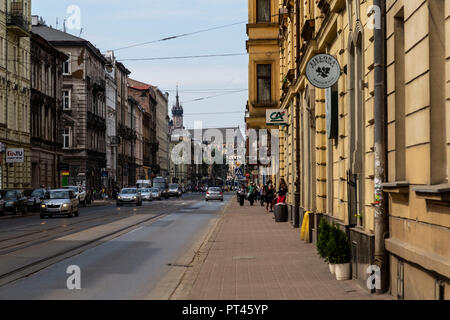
[(238, 172)]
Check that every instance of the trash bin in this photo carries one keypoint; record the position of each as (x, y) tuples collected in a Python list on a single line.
[(281, 212)]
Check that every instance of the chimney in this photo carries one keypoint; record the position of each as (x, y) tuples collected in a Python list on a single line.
[(35, 20)]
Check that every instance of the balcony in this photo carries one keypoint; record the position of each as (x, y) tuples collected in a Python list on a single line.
[(17, 24)]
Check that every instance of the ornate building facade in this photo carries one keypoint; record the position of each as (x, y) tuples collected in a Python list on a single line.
[(15, 94), (47, 104)]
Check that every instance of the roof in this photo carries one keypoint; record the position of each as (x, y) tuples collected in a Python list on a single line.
[(59, 38)]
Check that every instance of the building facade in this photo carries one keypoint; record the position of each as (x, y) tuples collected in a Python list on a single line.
[(110, 175), (327, 148), (162, 131), (15, 94), (370, 154), (263, 70), (84, 127), (46, 113), (146, 97), (418, 147), (124, 136)]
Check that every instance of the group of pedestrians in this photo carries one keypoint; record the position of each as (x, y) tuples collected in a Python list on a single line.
[(266, 194)]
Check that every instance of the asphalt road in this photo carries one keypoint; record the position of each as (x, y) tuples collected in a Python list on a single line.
[(128, 266)]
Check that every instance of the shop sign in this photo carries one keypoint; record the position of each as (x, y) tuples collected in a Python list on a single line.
[(323, 71)]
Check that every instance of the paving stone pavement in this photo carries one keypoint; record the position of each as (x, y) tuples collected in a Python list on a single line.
[(250, 257)]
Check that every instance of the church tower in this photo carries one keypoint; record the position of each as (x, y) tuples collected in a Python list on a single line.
[(177, 114)]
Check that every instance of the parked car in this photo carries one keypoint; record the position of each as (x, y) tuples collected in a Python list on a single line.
[(61, 202), (15, 201), (156, 193), (80, 193), (129, 196), (214, 193), (146, 194), (2, 206), (35, 199), (174, 190)]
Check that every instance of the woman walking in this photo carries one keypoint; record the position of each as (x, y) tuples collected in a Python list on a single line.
[(269, 194)]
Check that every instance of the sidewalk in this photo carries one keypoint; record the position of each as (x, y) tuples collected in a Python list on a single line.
[(250, 257)]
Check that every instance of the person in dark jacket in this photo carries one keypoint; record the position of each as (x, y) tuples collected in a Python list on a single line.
[(282, 192), (269, 194)]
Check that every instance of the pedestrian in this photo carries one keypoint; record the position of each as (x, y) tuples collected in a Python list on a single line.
[(242, 192), (269, 194), (251, 193), (282, 192), (261, 195)]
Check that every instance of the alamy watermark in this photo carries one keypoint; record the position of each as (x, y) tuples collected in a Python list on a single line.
[(73, 21), (214, 146), (74, 280)]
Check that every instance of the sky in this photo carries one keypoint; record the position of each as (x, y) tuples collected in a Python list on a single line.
[(114, 24)]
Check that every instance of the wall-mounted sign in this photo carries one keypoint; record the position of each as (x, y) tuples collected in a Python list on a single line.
[(323, 71), (15, 156), (276, 117)]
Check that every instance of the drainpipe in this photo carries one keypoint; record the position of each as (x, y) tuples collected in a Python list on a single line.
[(381, 212), (297, 162)]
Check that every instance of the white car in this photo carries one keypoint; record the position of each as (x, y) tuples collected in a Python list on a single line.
[(214, 193), (60, 202), (156, 193), (146, 194), (79, 192)]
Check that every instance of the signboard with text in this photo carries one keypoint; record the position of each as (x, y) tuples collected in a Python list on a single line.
[(15, 156), (323, 71), (276, 117)]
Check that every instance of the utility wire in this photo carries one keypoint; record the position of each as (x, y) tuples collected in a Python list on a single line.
[(211, 97), (210, 113), (184, 57)]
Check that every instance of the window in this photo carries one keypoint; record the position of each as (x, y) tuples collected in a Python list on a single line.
[(264, 78), (66, 138), (66, 100), (262, 11), (67, 67)]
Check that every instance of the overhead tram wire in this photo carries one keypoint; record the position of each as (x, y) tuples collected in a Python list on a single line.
[(184, 57), (186, 34)]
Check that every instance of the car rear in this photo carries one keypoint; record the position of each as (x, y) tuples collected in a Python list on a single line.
[(214, 194)]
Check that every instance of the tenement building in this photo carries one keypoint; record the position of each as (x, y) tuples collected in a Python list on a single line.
[(162, 131), (15, 153), (418, 146), (371, 153), (264, 64), (47, 103), (84, 130)]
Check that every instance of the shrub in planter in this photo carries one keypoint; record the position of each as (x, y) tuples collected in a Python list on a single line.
[(322, 239), (339, 253)]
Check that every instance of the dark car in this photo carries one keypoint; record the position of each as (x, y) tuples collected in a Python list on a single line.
[(36, 198), (2, 203), (15, 201)]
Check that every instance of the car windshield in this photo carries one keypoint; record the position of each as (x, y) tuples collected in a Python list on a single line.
[(75, 189), (28, 193), (37, 193), (154, 189), (59, 195), (11, 195), (144, 190), (129, 191), (173, 186)]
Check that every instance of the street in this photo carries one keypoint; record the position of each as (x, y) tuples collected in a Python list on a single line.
[(122, 252)]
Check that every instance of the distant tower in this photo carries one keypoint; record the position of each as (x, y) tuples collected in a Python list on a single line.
[(177, 114)]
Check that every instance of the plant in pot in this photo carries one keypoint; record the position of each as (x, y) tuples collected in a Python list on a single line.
[(322, 242), (339, 253)]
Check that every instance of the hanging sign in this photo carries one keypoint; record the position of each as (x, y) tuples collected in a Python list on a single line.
[(276, 117), (323, 71)]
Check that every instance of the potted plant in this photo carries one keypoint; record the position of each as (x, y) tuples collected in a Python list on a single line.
[(339, 253), (322, 242)]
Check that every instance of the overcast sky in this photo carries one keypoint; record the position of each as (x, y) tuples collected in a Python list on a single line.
[(113, 24)]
